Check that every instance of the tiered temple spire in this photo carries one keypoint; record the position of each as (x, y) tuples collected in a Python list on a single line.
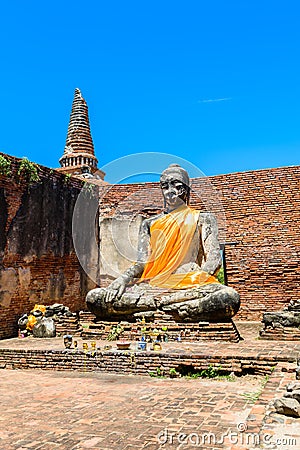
[(79, 149)]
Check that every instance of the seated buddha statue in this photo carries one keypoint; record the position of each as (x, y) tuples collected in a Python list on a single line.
[(177, 263)]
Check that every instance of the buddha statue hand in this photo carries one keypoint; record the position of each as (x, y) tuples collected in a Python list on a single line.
[(115, 289)]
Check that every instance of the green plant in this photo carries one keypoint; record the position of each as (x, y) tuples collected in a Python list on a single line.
[(221, 276), (254, 396), (265, 380), (89, 189), (173, 372), (228, 377), (4, 166), (115, 332), (67, 177), (158, 374), (28, 171), (210, 372), (191, 372)]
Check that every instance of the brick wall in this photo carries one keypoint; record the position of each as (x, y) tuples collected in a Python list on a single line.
[(136, 362), (38, 263), (258, 214)]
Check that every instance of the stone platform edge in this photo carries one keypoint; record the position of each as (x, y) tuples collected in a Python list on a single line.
[(137, 362)]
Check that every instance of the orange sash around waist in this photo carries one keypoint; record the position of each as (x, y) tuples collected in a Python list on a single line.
[(170, 238)]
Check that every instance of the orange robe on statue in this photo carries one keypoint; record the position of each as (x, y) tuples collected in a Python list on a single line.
[(170, 239)]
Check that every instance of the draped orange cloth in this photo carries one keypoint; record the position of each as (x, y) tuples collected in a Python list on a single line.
[(170, 239)]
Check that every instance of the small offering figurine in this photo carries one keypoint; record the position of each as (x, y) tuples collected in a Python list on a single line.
[(68, 338), (142, 344), (157, 346), (85, 346)]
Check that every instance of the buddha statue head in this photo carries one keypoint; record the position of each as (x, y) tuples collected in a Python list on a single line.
[(175, 185)]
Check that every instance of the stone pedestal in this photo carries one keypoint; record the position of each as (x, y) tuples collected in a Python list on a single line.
[(282, 325), (167, 329)]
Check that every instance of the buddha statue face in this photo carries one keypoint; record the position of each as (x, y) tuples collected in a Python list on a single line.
[(174, 182)]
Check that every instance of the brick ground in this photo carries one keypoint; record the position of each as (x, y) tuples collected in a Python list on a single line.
[(285, 431), (47, 410), (75, 411)]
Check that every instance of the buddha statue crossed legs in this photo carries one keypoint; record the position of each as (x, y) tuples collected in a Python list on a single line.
[(178, 259)]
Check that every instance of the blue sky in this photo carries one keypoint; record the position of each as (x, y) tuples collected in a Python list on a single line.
[(215, 83)]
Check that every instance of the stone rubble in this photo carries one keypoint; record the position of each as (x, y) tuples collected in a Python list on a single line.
[(289, 404), (57, 319), (284, 324)]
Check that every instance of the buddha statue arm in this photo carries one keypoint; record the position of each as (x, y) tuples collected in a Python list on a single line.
[(210, 243)]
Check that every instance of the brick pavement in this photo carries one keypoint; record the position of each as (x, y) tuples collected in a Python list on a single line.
[(76, 411), (52, 410), (282, 431)]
